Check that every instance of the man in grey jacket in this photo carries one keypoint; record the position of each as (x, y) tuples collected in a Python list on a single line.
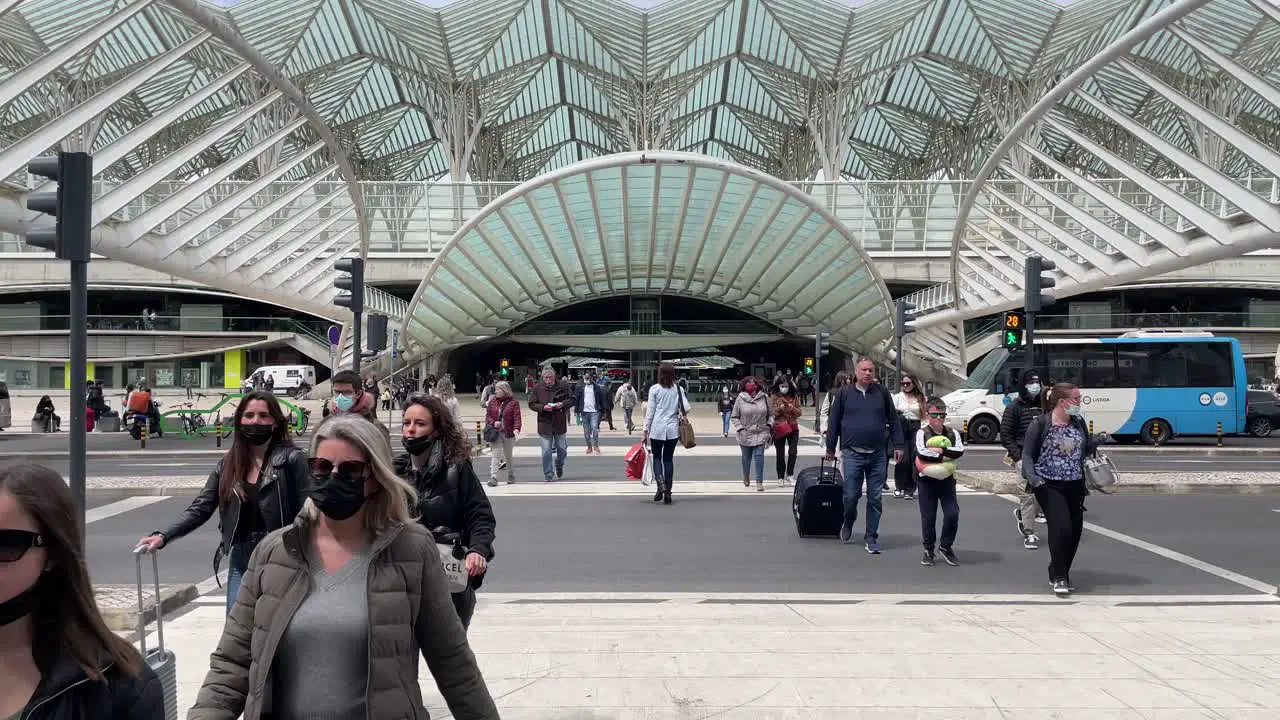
[(865, 423)]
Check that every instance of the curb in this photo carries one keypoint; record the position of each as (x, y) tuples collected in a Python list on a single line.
[(1010, 487), (125, 620)]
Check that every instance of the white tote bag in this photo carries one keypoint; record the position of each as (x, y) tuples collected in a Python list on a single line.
[(455, 569), (646, 477)]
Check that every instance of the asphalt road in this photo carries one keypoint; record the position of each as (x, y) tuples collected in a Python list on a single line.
[(747, 543)]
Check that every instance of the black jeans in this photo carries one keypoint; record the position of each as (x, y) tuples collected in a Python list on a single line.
[(904, 471), (1063, 505), (785, 448), (465, 603), (932, 494), (664, 452)]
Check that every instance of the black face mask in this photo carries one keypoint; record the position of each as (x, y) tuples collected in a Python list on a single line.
[(338, 495), (257, 434), (416, 445), (20, 605)]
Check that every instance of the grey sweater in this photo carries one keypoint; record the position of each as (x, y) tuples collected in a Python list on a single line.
[(322, 666)]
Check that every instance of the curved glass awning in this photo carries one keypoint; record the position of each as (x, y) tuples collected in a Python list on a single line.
[(662, 223)]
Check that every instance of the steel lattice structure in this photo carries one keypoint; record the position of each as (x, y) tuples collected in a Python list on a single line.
[(230, 137)]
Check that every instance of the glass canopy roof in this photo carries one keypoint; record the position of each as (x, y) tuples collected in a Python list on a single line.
[(510, 89), (638, 223)]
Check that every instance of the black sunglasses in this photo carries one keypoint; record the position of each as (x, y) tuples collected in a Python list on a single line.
[(15, 543), (321, 468)]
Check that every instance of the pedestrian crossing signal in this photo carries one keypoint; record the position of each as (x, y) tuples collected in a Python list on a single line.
[(504, 363), (808, 366), (1013, 326)]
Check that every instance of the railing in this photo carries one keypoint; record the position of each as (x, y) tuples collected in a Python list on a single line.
[(1139, 321), (932, 298), (981, 330), (886, 216), (668, 327), (316, 330)]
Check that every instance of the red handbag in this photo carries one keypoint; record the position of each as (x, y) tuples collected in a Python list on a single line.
[(782, 428), (634, 460)]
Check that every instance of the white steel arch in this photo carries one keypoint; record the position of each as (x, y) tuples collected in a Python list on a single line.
[(652, 223), (209, 164), (1150, 221)]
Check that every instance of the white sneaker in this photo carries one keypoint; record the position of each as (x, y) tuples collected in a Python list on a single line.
[(791, 479)]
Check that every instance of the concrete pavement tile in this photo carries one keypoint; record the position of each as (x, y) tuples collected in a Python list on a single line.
[(1065, 694), (878, 692), (1151, 693), (1178, 667), (1260, 666), (1227, 695), (1200, 714), (1058, 714)]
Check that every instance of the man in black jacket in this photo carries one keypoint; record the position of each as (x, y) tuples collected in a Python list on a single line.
[(1017, 417)]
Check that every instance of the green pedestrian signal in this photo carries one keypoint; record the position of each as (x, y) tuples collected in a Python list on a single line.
[(1014, 324)]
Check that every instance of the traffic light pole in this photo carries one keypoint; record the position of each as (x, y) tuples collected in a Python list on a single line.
[(1029, 339), (817, 383), (357, 341), (79, 370)]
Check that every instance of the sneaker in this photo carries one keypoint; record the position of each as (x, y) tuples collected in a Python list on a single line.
[(511, 481), (791, 480), (493, 482), (1031, 542), (502, 464), (1060, 588), (898, 494), (1017, 518), (873, 548), (547, 479), (846, 533), (559, 473), (950, 556), (1040, 518), (910, 496), (927, 559)]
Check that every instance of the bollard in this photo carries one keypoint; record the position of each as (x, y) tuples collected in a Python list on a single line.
[(1090, 427), (1219, 433), (217, 430), (479, 435), (1155, 432), (964, 430), (142, 436)]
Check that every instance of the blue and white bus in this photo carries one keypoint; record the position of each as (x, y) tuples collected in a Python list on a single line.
[(1148, 386)]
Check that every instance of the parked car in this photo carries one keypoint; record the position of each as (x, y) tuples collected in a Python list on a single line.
[(1263, 414)]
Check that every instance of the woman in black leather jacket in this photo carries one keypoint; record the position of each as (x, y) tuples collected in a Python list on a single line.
[(257, 487), (452, 503), (58, 660)]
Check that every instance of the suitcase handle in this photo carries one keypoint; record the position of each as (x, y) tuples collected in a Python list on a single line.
[(138, 552)]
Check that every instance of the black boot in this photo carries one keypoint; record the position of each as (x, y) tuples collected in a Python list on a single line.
[(657, 494), (666, 497)]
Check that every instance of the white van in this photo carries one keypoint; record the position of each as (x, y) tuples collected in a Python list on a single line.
[(288, 377)]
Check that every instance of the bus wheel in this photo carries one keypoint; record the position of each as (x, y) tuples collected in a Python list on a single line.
[(983, 431), (1156, 432)]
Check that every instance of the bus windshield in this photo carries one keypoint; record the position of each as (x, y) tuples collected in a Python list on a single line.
[(984, 373)]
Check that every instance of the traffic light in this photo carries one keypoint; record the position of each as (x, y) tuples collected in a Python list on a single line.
[(504, 366), (1037, 276), (808, 366), (377, 333), (71, 204), (1013, 326), (351, 284), (822, 344), (903, 318)]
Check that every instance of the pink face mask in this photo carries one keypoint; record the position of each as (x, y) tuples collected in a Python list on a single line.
[(752, 387)]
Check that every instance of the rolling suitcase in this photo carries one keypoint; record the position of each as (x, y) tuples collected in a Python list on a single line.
[(818, 501), (160, 660)]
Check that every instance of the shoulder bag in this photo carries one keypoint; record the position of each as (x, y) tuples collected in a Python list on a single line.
[(1099, 473), (687, 438)]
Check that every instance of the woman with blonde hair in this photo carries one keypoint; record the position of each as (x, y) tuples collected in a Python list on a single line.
[(444, 391), (335, 608)]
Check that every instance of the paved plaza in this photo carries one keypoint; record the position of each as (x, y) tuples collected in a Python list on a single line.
[(602, 606)]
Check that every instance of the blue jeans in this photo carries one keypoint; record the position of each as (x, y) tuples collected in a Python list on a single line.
[(724, 415), (626, 418), (872, 467), (753, 453), (560, 443), (237, 563), (591, 428)]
